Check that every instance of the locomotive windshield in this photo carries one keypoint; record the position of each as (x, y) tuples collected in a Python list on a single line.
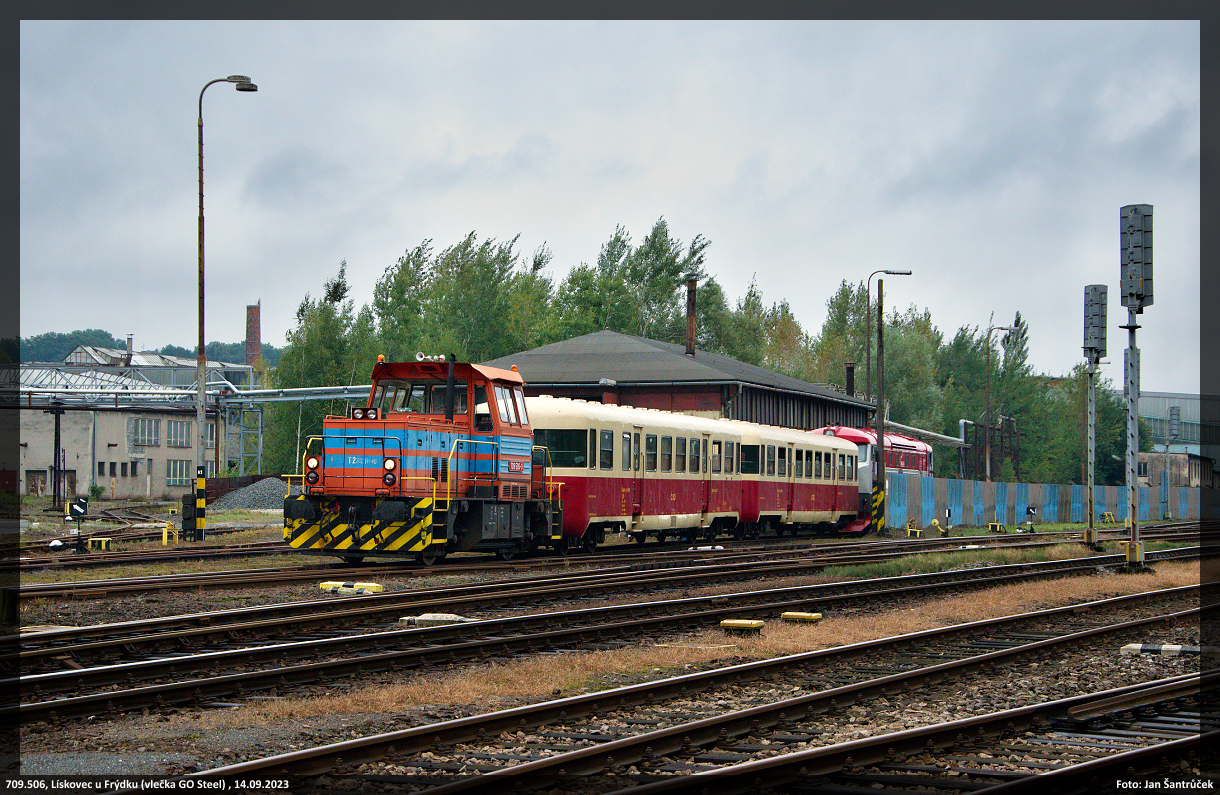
[(418, 395)]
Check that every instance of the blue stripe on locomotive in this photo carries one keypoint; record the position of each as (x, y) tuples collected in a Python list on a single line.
[(401, 442)]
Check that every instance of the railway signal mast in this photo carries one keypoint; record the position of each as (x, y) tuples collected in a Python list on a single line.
[(1094, 352), (1135, 238)]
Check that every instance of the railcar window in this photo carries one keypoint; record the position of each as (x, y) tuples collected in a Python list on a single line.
[(808, 464), (667, 453), (592, 448), (716, 456), (851, 467), (694, 455), (607, 459), (650, 453), (626, 452), (567, 446), (707, 448), (782, 467), (749, 459), (636, 457), (728, 457), (842, 466), (770, 459), (798, 466), (680, 455), (817, 464)]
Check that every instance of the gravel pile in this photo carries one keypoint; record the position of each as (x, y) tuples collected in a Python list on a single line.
[(264, 494)]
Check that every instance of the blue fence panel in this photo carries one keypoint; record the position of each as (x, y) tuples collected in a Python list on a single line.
[(1001, 504), (927, 490), (1184, 504), (1021, 503), (1050, 503), (979, 521), (896, 500), (955, 504), (1145, 503), (1077, 510)]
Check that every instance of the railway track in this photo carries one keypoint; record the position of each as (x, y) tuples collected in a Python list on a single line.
[(98, 644), (781, 721), (837, 554), (184, 673)]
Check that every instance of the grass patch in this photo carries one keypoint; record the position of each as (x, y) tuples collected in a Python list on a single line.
[(927, 563)]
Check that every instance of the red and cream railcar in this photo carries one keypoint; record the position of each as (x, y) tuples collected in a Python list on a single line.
[(647, 472), (653, 473), (793, 479)]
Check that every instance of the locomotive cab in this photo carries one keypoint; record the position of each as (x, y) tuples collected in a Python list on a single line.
[(438, 459)]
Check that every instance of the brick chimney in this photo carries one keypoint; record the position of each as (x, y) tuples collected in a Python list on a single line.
[(691, 281), (254, 345)]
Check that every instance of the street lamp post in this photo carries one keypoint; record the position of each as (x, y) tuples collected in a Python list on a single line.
[(243, 84), (868, 329), (987, 415)]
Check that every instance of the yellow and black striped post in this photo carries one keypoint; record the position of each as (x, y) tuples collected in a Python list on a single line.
[(201, 494), (879, 510)]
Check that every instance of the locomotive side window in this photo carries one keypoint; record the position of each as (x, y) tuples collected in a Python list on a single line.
[(519, 397), (728, 457), (592, 448), (626, 452), (680, 455), (716, 456), (482, 413), (694, 455), (770, 459), (650, 453), (607, 460), (749, 459), (567, 446)]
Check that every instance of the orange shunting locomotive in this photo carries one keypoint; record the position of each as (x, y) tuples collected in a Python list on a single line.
[(439, 459)]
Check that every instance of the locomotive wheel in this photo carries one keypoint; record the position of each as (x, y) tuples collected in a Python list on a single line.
[(505, 554), (590, 543), (561, 547), (430, 557), (661, 538), (639, 538)]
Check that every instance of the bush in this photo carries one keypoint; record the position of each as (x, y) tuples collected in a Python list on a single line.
[(96, 491)]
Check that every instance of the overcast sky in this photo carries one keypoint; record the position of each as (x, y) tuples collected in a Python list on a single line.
[(990, 158)]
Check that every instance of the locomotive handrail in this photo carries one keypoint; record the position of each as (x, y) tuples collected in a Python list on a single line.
[(553, 487), (309, 440), (453, 450)]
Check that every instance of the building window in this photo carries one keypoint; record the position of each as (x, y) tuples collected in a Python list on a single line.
[(146, 432), (177, 433), (177, 472), (135, 469), (101, 468), (123, 470), (1142, 467), (211, 440), (112, 469)]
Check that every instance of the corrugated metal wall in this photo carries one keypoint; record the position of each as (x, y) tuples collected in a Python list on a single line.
[(976, 503)]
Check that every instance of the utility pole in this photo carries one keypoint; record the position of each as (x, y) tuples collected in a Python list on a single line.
[(1135, 238), (879, 484)]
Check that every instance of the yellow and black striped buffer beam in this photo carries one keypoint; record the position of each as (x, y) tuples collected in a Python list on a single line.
[(331, 534)]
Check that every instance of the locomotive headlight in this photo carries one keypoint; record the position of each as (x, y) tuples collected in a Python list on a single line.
[(389, 464), (311, 477), (371, 413), (357, 414), (388, 479), (312, 462)]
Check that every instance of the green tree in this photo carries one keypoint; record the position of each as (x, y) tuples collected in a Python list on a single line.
[(55, 346)]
